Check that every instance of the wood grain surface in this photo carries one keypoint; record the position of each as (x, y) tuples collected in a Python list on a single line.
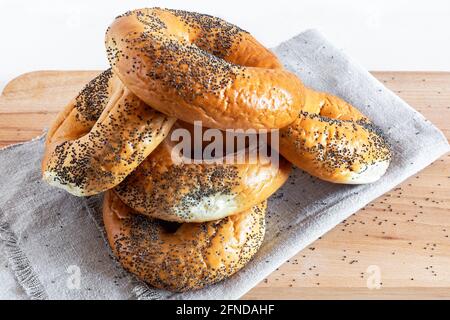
[(401, 241)]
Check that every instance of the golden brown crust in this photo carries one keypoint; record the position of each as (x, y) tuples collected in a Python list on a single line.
[(180, 257), (197, 192), (197, 67), (335, 142), (100, 137)]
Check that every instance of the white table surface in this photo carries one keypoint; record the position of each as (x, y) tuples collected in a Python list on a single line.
[(382, 35)]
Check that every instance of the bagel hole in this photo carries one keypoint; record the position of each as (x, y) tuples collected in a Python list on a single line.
[(230, 143), (169, 226)]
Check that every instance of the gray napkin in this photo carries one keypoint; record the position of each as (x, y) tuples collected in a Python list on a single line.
[(49, 239)]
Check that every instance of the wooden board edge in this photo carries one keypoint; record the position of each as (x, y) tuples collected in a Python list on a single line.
[(10, 85)]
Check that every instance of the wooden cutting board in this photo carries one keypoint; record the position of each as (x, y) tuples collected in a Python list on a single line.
[(401, 240)]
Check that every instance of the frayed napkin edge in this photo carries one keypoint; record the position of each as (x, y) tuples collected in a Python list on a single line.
[(21, 267)]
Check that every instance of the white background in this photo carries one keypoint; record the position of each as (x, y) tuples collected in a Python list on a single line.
[(382, 35)]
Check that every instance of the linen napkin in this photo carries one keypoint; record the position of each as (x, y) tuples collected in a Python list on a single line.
[(53, 247)]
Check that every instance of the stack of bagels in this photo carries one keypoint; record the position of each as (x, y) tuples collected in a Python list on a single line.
[(181, 226)]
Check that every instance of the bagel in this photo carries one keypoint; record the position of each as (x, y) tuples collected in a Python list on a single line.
[(180, 257), (196, 67), (333, 141), (170, 189), (100, 137)]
